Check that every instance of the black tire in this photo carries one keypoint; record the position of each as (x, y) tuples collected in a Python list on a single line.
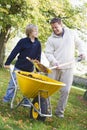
[(43, 106)]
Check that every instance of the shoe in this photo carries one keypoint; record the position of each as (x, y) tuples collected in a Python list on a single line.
[(26, 103), (6, 100), (59, 115)]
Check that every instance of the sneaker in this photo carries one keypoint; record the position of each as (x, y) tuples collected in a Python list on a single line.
[(26, 103), (6, 100), (59, 115)]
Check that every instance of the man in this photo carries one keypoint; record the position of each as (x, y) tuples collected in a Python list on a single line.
[(60, 51)]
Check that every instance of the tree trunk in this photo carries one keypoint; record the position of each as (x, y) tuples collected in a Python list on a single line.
[(2, 53), (4, 36)]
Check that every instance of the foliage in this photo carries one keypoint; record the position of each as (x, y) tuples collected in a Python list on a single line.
[(18, 119), (15, 14), (18, 13), (12, 12), (43, 11)]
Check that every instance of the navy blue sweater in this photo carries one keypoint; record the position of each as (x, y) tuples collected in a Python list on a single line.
[(25, 48)]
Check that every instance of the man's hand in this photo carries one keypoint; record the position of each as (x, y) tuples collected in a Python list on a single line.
[(57, 66), (81, 57)]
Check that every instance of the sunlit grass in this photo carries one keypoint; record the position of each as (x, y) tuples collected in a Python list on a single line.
[(18, 119)]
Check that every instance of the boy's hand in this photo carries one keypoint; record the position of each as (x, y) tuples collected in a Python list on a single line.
[(7, 66)]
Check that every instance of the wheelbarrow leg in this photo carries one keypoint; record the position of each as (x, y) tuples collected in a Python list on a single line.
[(49, 108), (12, 101), (22, 104), (16, 87)]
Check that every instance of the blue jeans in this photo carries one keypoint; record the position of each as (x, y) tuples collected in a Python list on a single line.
[(11, 87)]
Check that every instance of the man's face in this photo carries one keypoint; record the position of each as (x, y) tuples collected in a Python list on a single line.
[(57, 28)]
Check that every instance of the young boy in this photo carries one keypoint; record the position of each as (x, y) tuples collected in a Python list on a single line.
[(30, 47)]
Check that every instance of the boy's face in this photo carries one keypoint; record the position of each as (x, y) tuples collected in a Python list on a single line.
[(34, 33), (57, 28)]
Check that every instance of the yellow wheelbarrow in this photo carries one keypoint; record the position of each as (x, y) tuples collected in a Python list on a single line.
[(39, 88)]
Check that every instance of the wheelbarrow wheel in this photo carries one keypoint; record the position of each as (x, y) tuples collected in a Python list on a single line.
[(43, 105)]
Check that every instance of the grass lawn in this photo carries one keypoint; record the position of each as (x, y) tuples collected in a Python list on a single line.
[(18, 119)]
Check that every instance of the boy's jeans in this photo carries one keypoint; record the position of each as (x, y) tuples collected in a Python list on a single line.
[(11, 88)]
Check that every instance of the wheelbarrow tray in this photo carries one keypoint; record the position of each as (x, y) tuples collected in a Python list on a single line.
[(31, 83)]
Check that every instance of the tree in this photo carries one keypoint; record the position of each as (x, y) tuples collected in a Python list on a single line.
[(12, 13), (17, 13)]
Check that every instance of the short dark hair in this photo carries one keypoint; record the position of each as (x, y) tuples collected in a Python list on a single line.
[(56, 20)]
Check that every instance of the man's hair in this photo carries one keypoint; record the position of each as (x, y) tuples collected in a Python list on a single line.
[(56, 20), (29, 29)]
